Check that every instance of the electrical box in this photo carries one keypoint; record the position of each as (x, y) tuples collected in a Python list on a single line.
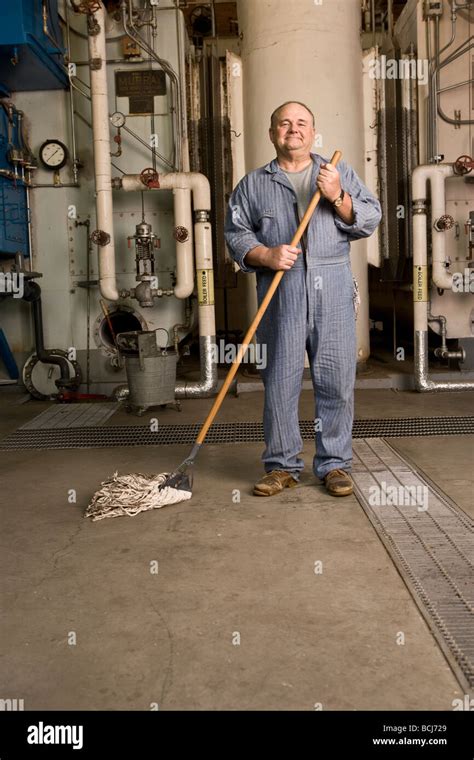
[(433, 8), (31, 50)]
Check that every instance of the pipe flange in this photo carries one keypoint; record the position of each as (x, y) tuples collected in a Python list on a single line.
[(445, 222), (181, 234), (149, 177), (100, 237), (201, 215), (463, 165), (87, 6), (419, 206), (75, 374)]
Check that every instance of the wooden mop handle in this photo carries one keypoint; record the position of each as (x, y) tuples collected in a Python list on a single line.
[(261, 311)]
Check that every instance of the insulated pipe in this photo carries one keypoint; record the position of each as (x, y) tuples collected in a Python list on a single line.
[(437, 175), (198, 184), (32, 295), (420, 286), (182, 184), (183, 233), (101, 143)]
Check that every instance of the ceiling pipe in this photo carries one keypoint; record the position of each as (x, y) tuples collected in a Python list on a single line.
[(104, 234)]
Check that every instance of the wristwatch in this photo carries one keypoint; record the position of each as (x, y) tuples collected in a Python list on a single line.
[(339, 201)]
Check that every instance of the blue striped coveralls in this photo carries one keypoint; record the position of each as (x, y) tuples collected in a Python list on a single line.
[(312, 310)]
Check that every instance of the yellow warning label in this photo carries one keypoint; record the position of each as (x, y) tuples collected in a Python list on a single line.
[(420, 283), (205, 283)]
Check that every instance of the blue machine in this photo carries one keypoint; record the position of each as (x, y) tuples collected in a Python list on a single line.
[(29, 59), (13, 212)]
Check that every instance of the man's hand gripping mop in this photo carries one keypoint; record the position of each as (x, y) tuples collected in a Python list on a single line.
[(131, 494)]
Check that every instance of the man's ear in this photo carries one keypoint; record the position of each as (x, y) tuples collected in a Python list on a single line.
[(270, 134)]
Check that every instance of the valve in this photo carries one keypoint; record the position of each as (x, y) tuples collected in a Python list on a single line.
[(87, 6), (99, 237), (444, 223), (181, 234), (463, 165), (149, 177)]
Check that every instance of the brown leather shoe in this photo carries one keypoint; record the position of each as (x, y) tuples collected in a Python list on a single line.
[(338, 483), (274, 482)]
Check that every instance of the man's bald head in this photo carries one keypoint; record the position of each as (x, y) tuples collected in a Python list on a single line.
[(292, 131), (276, 112)]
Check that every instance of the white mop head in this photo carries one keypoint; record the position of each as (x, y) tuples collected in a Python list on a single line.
[(131, 494)]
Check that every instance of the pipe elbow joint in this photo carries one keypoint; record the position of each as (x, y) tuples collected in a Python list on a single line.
[(183, 291), (423, 385), (108, 289), (442, 278)]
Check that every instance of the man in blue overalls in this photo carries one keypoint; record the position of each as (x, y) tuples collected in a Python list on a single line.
[(313, 307)]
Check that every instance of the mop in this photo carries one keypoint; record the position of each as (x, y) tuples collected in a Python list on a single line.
[(132, 494)]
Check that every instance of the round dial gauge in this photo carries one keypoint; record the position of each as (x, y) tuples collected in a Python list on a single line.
[(53, 154), (117, 119)]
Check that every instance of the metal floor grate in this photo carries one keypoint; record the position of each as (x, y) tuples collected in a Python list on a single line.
[(432, 548), (232, 432), (77, 415)]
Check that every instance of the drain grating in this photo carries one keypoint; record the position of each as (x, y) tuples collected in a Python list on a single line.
[(77, 415), (431, 543), (232, 432)]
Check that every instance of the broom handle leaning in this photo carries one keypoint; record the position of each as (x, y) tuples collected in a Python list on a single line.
[(261, 311)]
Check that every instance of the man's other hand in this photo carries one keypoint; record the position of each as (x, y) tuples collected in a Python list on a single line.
[(278, 258), (329, 182), (281, 257)]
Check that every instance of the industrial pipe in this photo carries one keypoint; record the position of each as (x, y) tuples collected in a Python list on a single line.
[(176, 97), (183, 234), (443, 352), (32, 295), (104, 235), (198, 184), (437, 175), (420, 275)]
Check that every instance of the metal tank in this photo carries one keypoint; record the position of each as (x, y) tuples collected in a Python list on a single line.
[(311, 52)]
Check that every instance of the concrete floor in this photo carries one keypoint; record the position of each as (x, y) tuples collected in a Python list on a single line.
[(226, 570)]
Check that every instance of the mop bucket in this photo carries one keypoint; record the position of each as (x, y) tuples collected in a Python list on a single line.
[(151, 369)]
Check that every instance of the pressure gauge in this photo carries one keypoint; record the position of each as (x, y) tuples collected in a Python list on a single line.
[(53, 155), (117, 119)]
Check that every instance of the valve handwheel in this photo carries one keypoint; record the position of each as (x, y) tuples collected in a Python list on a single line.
[(149, 177), (463, 165), (88, 6), (444, 223), (100, 238)]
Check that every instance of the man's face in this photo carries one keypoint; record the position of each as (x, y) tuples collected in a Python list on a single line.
[(293, 131)]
